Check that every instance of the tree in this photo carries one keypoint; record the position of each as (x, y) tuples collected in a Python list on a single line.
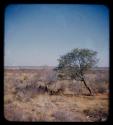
[(74, 65)]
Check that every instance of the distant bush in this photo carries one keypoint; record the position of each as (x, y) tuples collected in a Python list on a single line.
[(51, 77), (101, 89), (46, 81), (75, 88), (102, 78)]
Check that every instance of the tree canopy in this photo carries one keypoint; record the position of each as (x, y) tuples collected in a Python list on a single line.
[(74, 64)]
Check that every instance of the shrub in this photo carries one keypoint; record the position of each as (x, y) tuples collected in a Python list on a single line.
[(101, 89), (96, 114)]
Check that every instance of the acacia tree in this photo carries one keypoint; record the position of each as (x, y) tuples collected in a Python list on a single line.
[(74, 65)]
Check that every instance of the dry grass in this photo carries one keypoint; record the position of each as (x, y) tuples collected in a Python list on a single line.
[(23, 103), (51, 108)]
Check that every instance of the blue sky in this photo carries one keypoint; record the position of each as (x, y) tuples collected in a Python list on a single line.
[(38, 34)]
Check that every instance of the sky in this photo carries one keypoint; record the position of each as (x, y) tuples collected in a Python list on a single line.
[(38, 34)]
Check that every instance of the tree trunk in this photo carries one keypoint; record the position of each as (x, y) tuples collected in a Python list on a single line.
[(87, 87)]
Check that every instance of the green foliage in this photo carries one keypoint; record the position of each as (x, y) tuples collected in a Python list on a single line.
[(75, 63)]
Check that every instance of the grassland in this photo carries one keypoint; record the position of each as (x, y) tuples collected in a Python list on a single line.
[(25, 98)]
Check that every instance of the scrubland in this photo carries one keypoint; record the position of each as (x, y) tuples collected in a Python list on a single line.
[(38, 95)]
